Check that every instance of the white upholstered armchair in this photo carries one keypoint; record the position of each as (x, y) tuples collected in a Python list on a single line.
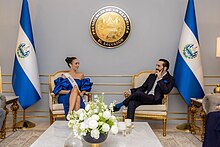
[(158, 111), (57, 110)]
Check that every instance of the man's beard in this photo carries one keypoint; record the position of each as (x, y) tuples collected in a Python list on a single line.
[(160, 70)]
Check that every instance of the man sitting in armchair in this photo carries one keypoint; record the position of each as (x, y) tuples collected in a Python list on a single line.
[(151, 92)]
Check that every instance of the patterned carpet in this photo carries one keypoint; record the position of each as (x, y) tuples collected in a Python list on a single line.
[(20, 138), (176, 138), (24, 138)]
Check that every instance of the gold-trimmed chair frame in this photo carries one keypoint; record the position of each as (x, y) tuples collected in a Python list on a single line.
[(53, 117), (162, 117)]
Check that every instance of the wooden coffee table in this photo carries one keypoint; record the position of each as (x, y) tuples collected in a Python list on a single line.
[(142, 136)]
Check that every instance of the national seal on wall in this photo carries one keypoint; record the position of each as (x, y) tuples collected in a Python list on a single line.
[(110, 27)]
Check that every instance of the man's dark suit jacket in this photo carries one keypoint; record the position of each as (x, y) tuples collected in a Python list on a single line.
[(164, 86)]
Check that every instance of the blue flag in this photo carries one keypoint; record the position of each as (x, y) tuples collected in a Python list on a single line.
[(188, 68), (25, 79)]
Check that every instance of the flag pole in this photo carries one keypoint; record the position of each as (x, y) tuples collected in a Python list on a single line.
[(24, 123), (188, 72), (186, 127), (25, 79)]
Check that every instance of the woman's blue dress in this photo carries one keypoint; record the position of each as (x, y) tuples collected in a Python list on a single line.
[(64, 84)]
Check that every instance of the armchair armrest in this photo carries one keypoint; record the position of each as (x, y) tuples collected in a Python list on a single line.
[(51, 100), (53, 97), (165, 100)]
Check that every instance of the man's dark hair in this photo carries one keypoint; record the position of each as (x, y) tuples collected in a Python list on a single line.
[(165, 63)]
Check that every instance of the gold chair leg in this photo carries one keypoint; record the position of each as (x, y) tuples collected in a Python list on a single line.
[(14, 108), (123, 116), (51, 117), (164, 126)]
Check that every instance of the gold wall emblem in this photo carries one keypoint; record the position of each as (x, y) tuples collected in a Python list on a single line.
[(110, 27)]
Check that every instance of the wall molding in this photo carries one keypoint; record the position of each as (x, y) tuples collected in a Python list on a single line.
[(7, 88)]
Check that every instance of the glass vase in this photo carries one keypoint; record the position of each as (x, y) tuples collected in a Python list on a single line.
[(73, 141)]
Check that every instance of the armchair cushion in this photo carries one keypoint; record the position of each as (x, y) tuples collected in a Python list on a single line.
[(149, 113), (58, 112), (144, 110), (150, 108), (58, 107)]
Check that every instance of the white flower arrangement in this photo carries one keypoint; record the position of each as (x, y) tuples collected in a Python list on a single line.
[(95, 119)]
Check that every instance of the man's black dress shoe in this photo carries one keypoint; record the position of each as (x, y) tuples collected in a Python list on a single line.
[(115, 109)]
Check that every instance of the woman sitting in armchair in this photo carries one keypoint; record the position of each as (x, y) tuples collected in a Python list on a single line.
[(72, 86)]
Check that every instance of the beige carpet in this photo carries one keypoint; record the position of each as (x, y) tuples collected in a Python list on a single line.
[(24, 138), (20, 138), (176, 138)]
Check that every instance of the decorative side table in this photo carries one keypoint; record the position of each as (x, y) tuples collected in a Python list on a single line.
[(196, 107), (14, 107)]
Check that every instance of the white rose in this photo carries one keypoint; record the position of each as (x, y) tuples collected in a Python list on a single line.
[(105, 127), (70, 123), (80, 111), (86, 121), (95, 117), (87, 107), (81, 116), (107, 114), (114, 129), (113, 118), (95, 133), (83, 126), (93, 124)]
